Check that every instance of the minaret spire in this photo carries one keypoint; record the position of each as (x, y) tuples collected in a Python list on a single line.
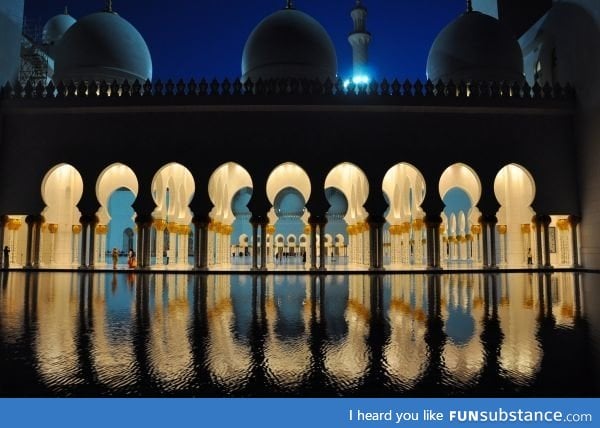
[(289, 4), (359, 39), (469, 6), (66, 10), (109, 6)]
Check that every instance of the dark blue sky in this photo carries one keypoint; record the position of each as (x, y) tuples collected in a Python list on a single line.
[(205, 38)]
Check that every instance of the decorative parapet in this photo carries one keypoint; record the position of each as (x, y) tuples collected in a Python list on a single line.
[(319, 92)]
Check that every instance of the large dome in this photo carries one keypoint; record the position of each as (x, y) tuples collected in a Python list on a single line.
[(56, 27), (475, 47), (102, 46), (289, 44)]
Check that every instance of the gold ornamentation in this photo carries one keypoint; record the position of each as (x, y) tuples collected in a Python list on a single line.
[(271, 229), (405, 227), (525, 228), (502, 228), (476, 229), (172, 227), (418, 224), (76, 229), (159, 224), (14, 223), (562, 224), (101, 229)]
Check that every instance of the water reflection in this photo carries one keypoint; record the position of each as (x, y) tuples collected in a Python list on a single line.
[(97, 334)]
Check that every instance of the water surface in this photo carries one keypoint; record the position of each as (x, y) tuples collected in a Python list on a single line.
[(66, 334)]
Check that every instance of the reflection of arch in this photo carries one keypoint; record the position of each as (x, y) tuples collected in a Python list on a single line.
[(168, 346), (346, 360), (287, 353), (408, 330), (62, 188), (514, 188), (521, 352), (462, 311), (229, 358)]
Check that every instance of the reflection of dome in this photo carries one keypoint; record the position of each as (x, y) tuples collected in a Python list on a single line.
[(102, 46), (55, 28), (475, 47), (289, 44)]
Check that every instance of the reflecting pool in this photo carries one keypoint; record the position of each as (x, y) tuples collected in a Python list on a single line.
[(67, 334)]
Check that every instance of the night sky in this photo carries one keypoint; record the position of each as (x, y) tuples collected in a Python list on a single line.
[(206, 38)]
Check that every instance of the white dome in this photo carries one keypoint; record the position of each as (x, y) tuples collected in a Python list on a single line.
[(289, 44), (475, 47), (102, 46), (56, 27)]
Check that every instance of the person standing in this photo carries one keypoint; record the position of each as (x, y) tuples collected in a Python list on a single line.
[(6, 258), (115, 257)]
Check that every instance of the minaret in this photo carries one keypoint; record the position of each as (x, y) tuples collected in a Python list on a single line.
[(359, 40)]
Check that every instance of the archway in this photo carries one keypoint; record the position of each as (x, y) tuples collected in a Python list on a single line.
[(116, 190), (352, 182), (514, 188), (172, 190), (460, 190), (288, 189), (404, 188), (229, 189), (62, 188)]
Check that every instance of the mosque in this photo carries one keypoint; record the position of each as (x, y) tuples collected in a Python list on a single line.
[(491, 163)]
